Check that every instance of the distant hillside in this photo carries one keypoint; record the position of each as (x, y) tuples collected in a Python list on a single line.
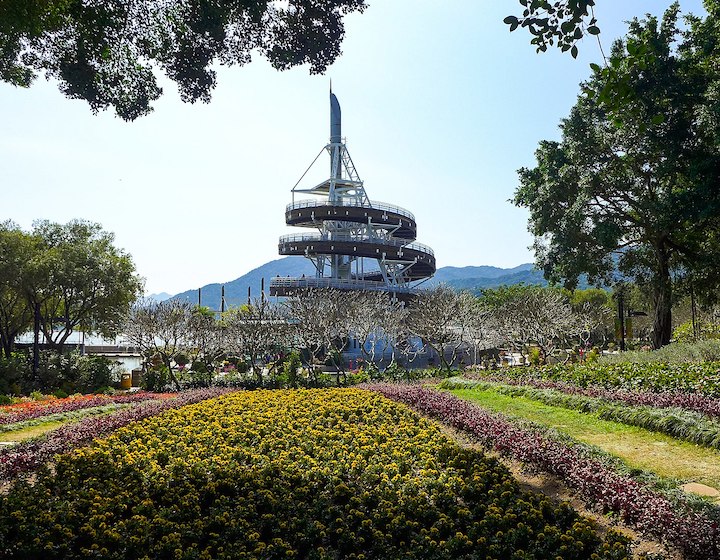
[(448, 274), (162, 296), (236, 292), (475, 284), (472, 278)]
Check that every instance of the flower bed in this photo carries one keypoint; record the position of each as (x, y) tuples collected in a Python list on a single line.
[(19, 412), (315, 474), (701, 378), (696, 535), (28, 455), (697, 402), (678, 423)]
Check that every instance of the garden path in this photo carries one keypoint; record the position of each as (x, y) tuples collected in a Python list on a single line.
[(639, 448)]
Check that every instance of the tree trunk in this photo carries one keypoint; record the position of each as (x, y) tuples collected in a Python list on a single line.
[(662, 296)]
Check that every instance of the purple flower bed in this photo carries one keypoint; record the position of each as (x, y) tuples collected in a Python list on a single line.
[(26, 456), (59, 406), (665, 399), (696, 535)]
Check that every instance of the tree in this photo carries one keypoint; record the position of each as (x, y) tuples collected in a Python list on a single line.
[(161, 330), (443, 319), (561, 23), (16, 315), (636, 194), (79, 280), (108, 53), (254, 330), (536, 315), (376, 322), (207, 342)]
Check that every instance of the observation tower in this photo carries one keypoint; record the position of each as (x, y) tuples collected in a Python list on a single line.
[(360, 244)]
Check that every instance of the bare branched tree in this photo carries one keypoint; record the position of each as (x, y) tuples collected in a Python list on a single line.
[(162, 330), (255, 330), (443, 319)]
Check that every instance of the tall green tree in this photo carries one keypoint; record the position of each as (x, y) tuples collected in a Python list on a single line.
[(16, 315), (108, 53), (633, 190), (79, 280)]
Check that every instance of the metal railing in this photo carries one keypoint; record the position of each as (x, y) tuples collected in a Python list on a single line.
[(374, 204), (314, 282), (344, 238)]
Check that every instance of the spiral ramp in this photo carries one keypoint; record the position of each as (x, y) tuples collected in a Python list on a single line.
[(358, 244)]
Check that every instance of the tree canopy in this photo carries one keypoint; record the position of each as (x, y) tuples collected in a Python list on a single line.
[(108, 53), (635, 189), (70, 275), (561, 23)]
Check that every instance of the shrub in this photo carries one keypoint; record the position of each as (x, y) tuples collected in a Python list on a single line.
[(705, 330), (674, 353)]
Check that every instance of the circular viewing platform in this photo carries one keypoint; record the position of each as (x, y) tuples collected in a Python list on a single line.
[(420, 257), (311, 213)]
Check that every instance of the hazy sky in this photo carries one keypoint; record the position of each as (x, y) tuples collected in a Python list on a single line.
[(441, 105)]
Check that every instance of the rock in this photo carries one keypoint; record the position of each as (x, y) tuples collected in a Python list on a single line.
[(701, 489)]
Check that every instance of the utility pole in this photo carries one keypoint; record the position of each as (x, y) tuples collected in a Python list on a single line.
[(36, 342), (621, 317)]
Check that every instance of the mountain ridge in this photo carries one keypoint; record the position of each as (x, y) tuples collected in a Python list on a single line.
[(472, 278)]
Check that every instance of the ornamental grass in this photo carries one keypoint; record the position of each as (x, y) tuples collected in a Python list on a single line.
[(317, 474), (682, 424)]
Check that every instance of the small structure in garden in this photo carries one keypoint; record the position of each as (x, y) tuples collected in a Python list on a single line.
[(360, 244)]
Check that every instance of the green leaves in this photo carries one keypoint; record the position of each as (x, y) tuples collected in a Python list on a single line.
[(560, 23), (107, 53)]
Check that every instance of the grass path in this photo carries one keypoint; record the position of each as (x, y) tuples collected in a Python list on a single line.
[(638, 447), (30, 431)]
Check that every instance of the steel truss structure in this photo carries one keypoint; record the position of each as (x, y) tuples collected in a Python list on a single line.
[(360, 244)]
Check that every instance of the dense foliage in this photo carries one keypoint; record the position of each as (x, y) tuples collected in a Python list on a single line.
[(60, 278), (695, 534), (288, 474), (635, 190), (108, 53)]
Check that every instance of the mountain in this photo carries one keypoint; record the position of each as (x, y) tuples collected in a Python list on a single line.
[(236, 292), (162, 296), (477, 283), (472, 278)]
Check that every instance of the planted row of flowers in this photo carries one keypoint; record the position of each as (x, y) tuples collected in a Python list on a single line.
[(11, 414), (62, 417), (317, 474), (28, 455), (695, 534), (692, 377), (680, 424), (697, 402)]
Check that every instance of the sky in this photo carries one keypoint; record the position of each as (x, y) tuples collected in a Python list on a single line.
[(441, 106)]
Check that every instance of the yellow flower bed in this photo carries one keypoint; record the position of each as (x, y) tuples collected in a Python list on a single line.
[(340, 473)]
